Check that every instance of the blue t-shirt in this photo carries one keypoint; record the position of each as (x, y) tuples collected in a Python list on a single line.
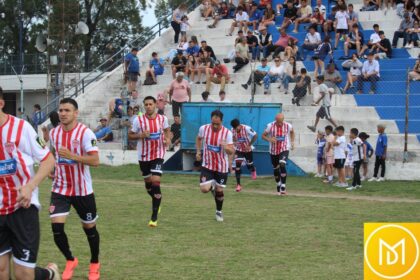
[(156, 64), (321, 146), (381, 144), (133, 63), (257, 15), (103, 132), (263, 68), (193, 50)]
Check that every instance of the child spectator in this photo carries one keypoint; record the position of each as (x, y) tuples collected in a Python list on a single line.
[(355, 66), (291, 49), (320, 154), (340, 156), (348, 164), (162, 100), (329, 154), (185, 25), (369, 153), (380, 153), (359, 154), (156, 67)]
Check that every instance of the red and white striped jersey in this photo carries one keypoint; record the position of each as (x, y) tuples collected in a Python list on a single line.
[(73, 178), (152, 147), (243, 137), (20, 148), (214, 156), (282, 135)]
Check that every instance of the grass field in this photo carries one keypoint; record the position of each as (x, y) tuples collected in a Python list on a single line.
[(314, 233)]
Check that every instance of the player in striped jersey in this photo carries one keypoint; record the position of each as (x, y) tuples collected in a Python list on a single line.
[(153, 134), (217, 144), (281, 137), (243, 137), (19, 204), (75, 150)]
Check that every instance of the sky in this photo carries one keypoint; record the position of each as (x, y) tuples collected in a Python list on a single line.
[(148, 16)]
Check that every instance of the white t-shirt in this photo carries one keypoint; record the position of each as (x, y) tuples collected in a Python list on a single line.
[(342, 18), (185, 26), (326, 101), (313, 39), (243, 17), (274, 70), (357, 145), (321, 9), (340, 150), (225, 101), (374, 38)]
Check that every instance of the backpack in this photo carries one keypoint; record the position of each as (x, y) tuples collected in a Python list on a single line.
[(148, 80)]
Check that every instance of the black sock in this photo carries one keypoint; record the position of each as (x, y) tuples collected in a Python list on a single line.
[(43, 274), (148, 186), (251, 167), (156, 199), (238, 175), (60, 239), (283, 174), (93, 238), (219, 197), (277, 177)]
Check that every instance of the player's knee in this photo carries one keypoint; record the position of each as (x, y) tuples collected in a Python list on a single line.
[(220, 196), (91, 232), (282, 164), (87, 226), (57, 228), (205, 188)]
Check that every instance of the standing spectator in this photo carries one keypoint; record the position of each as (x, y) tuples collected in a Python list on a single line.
[(311, 42), (320, 154), (185, 26), (355, 66), (258, 74), (380, 153), (268, 17), (205, 97), (341, 24), (132, 69), (275, 73), (240, 21), (38, 117), (415, 73), (359, 155), (175, 133), (304, 15), (354, 40), (290, 14), (406, 24), (303, 85), (161, 101), (320, 54), (207, 48), (340, 156), (177, 14), (290, 73), (252, 42), (329, 154), (218, 75), (223, 13), (103, 132), (178, 64), (373, 39), (370, 73), (332, 78), (348, 164), (242, 57), (412, 36), (369, 153), (264, 40), (282, 42), (156, 67), (179, 93), (383, 49), (329, 21), (222, 97), (255, 17)]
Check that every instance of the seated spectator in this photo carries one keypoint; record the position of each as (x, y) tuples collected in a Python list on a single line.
[(354, 65), (137, 111), (281, 43), (290, 73), (205, 97), (219, 75), (264, 39), (116, 108), (407, 6), (193, 49), (275, 74), (369, 5), (321, 8), (206, 9), (182, 46), (291, 50), (290, 14), (311, 42), (264, 4), (353, 17), (162, 101), (156, 67), (415, 73), (222, 97), (332, 78), (191, 69), (406, 24), (241, 56), (354, 40), (320, 54), (303, 85), (412, 36), (208, 49), (103, 132), (382, 49), (175, 133), (370, 73), (252, 42), (179, 93), (341, 24), (258, 74), (255, 16), (373, 40), (240, 21), (304, 15), (317, 19), (268, 16), (178, 64), (330, 20), (223, 13)]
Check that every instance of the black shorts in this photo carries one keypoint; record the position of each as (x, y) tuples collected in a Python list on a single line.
[(151, 168), (208, 175), (324, 113), (275, 159), (342, 31), (352, 45), (19, 234), (339, 163), (132, 76), (247, 156), (85, 206)]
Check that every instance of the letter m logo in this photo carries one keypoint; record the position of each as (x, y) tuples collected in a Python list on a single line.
[(392, 255)]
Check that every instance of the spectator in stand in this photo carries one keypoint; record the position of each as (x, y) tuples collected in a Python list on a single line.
[(353, 17), (38, 117), (416, 13), (264, 39), (382, 49), (369, 5), (192, 67), (208, 49), (258, 74), (185, 25), (373, 40), (176, 20), (205, 64), (341, 24), (320, 54), (264, 4), (304, 15), (179, 93), (406, 24), (182, 46), (311, 42), (317, 19), (222, 97), (303, 85), (281, 43), (406, 7), (290, 73), (255, 16), (240, 21), (103, 132), (178, 64), (290, 14), (223, 13), (175, 133), (206, 9), (132, 69), (291, 50), (412, 36), (380, 153), (321, 8), (332, 78), (54, 122), (218, 75), (415, 73), (354, 40), (252, 42), (354, 65), (370, 73), (275, 74), (329, 22), (268, 16), (193, 49), (156, 67), (241, 56), (205, 97)]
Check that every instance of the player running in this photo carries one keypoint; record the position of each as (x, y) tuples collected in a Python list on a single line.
[(243, 137), (75, 150), (19, 204), (216, 142), (152, 132), (281, 137)]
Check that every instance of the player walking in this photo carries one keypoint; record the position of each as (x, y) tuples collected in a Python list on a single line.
[(19, 204), (75, 150), (243, 137), (216, 142), (152, 132), (281, 137)]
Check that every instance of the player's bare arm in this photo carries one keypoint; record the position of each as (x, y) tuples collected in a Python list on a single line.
[(198, 145), (167, 135), (137, 136), (268, 138), (292, 138)]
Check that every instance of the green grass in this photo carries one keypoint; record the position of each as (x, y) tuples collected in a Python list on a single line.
[(263, 236)]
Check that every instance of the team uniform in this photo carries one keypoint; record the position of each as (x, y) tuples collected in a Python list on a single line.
[(320, 158), (357, 152), (349, 158), (243, 139), (19, 227)]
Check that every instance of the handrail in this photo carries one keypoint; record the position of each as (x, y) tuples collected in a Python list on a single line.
[(113, 61)]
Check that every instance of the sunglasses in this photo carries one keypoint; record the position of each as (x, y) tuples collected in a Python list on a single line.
[(276, 60)]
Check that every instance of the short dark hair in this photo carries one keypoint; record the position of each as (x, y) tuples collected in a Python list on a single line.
[(1, 93), (203, 41), (134, 49), (363, 135), (38, 107), (350, 5), (149, 98), (354, 131), (222, 92), (381, 32), (154, 53), (235, 123), (329, 128), (217, 113), (303, 71), (205, 94), (339, 128), (70, 101), (320, 77), (376, 25)]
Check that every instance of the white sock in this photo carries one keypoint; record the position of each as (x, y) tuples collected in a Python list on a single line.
[(330, 178)]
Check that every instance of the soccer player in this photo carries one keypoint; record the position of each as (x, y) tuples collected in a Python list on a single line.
[(243, 137), (152, 132), (19, 204), (281, 137), (75, 150), (217, 144)]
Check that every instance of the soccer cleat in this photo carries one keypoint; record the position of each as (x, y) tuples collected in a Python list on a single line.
[(351, 188), (283, 190), (326, 181), (373, 179), (238, 188), (219, 216), (69, 270), (382, 179), (254, 175), (152, 224), (94, 273), (52, 267)]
